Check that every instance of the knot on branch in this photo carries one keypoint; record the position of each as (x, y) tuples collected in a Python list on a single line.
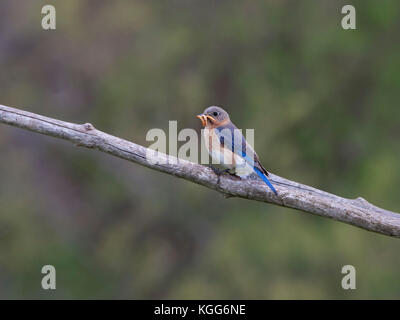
[(88, 126), (362, 202)]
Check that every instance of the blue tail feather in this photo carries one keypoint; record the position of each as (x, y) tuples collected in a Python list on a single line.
[(265, 179)]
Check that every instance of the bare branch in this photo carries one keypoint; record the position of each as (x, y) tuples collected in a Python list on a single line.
[(357, 212)]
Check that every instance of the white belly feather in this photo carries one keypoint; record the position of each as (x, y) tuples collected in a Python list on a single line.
[(224, 156)]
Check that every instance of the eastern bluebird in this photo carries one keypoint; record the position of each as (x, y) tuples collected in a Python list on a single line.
[(227, 146)]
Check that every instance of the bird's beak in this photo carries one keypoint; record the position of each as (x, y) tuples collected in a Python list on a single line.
[(204, 117)]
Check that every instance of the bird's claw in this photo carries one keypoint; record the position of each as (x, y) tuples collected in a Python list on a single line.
[(234, 175), (219, 172)]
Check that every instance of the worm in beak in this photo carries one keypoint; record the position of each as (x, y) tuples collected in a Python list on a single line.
[(204, 117)]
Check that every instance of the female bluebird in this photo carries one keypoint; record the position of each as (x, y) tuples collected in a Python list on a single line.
[(227, 146)]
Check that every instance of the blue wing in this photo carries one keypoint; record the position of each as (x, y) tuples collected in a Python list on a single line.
[(231, 138)]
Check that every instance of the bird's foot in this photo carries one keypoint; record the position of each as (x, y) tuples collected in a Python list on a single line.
[(219, 172), (232, 174)]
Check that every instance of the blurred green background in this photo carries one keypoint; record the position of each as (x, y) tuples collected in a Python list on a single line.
[(324, 103)]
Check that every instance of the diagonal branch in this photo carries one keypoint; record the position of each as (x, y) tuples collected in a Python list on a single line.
[(357, 212)]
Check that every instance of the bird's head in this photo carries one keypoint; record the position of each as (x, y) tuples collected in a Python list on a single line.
[(213, 117)]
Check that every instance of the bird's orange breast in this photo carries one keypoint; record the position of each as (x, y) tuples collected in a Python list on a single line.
[(218, 153)]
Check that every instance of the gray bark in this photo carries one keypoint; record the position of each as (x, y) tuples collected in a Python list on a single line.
[(357, 212)]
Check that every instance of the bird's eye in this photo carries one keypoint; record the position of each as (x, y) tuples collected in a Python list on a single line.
[(215, 113)]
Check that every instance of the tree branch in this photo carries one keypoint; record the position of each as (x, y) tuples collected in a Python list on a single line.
[(357, 212)]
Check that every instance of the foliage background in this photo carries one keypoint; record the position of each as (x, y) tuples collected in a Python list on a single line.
[(324, 105)]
